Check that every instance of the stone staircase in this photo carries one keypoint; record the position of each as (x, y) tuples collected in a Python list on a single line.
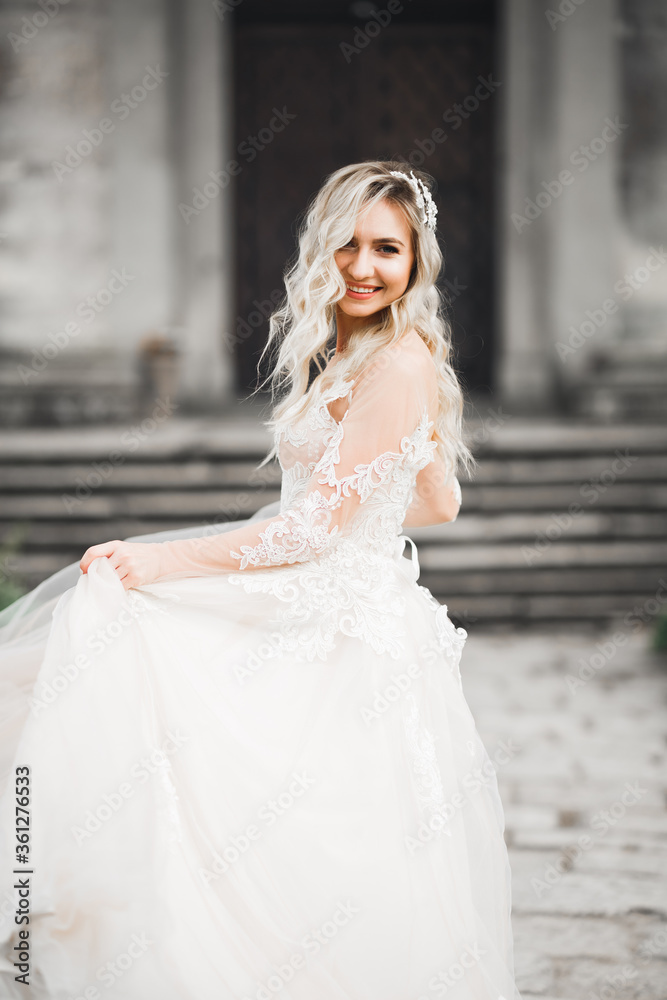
[(565, 522)]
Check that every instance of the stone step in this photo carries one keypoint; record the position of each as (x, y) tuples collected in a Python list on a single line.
[(557, 554), (41, 478), (96, 503), (534, 527), (529, 530), (563, 522), (609, 580), (220, 470), (242, 432), (619, 580), (488, 599)]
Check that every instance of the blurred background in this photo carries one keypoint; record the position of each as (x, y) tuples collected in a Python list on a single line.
[(155, 159)]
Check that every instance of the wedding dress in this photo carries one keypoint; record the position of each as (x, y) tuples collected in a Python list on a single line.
[(264, 781)]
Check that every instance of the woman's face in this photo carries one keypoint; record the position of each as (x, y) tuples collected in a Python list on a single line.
[(376, 264)]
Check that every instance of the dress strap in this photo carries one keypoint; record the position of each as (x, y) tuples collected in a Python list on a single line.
[(402, 539)]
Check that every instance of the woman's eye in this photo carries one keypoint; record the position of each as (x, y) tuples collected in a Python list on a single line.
[(390, 248)]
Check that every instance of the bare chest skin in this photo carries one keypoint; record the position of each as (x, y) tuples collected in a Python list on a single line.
[(338, 407)]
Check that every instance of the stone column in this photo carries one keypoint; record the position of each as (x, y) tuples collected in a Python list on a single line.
[(588, 130), (201, 96), (523, 375), (558, 211), (141, 192)]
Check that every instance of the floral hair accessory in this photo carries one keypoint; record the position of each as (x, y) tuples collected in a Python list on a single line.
[(423, 196)]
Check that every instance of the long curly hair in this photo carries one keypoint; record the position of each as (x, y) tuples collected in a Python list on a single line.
[(302, 329)]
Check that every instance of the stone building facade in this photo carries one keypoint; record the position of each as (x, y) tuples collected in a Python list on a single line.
[(114, 115)]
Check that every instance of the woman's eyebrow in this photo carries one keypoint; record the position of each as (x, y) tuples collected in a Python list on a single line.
[(388, 239)]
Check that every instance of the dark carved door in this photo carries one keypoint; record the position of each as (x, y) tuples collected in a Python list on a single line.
[(383, 100)]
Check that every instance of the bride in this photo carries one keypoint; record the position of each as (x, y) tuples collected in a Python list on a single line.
[(238, 763)]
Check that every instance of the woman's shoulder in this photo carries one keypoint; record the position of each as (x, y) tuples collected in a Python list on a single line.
[(407, 359)]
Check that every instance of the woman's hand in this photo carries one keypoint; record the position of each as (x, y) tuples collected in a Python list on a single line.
[(136, 563)]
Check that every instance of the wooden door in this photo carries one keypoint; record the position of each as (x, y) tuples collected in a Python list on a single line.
[(383, 100)]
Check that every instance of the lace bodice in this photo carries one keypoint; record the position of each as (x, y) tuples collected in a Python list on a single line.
[(346, 488), (384, 484), (350, 482)]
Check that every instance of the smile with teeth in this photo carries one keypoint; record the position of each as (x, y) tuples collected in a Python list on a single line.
[(362, 289)]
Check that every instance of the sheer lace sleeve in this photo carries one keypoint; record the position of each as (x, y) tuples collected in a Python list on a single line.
[(392, 397), (437, 496)]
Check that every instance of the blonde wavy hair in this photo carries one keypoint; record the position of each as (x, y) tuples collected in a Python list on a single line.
[(303, 325)]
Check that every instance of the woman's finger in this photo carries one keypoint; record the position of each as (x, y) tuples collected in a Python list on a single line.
[(94, 552)]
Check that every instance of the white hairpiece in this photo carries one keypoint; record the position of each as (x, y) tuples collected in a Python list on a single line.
[(423, 196)]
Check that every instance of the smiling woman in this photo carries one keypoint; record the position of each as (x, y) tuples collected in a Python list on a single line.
[(265, 725), (376, 267)]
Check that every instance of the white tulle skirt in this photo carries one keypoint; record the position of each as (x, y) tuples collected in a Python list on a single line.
[(212, 819)]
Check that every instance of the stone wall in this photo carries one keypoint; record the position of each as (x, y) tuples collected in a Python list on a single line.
[(106, 122)]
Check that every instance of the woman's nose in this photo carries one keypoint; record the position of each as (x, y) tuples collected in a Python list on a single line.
[(361, 266)]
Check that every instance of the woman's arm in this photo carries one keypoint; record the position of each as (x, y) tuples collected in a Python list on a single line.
[(138, 563), (437, 498), (385, 407)]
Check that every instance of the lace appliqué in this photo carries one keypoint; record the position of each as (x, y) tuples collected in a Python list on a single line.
[(168, 804), (451, 639), (423, 759), (350, 584), (359, 597), (304, 530), (304, 527), (371, 475)]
